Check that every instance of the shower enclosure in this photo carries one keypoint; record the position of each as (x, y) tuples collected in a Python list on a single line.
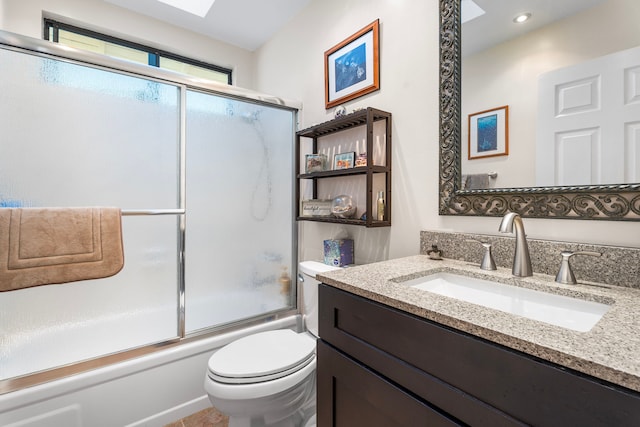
[(203, 173)]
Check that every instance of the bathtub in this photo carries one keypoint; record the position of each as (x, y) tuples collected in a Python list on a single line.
[(151, 390)]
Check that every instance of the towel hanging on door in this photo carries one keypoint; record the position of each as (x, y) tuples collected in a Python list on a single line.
[(41, 246)]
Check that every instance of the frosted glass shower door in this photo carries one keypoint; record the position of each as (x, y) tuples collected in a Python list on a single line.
[(72, 135), (239, 237)]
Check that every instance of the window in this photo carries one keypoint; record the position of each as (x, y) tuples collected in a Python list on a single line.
[(92, 41)]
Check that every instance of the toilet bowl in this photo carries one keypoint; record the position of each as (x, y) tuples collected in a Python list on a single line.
[(269, 378)]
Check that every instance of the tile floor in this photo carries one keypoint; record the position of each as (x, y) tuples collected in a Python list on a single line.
[(209, 417)]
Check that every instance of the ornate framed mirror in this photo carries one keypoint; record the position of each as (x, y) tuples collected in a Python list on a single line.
[(597, 202)]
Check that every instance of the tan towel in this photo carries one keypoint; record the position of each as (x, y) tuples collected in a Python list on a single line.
[(475, 181), (40, 246)]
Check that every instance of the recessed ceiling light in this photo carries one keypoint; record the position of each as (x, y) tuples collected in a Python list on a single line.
[(195, 7), (519, 19)]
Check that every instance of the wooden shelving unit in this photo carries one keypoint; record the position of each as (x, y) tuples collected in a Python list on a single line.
[(367, 118)]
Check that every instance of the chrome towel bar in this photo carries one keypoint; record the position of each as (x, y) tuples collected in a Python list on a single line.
[(138, 212)]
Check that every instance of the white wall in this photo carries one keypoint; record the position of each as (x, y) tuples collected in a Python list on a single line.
[(291, 65), (25, 17)]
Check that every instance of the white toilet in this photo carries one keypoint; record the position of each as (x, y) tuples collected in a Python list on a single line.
[(269, 378)]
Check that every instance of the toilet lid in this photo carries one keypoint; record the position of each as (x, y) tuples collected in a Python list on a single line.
[(311, 268), (262, 357)]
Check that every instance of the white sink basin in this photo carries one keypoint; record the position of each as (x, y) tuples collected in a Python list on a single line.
[(571, 313)]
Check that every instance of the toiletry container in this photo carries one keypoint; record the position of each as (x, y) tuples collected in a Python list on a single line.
[(380, 206)]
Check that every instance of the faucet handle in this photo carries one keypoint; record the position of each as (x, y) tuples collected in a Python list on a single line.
[(487, 259), (565, 274)]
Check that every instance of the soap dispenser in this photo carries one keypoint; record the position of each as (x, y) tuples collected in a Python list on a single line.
[(285, 282)]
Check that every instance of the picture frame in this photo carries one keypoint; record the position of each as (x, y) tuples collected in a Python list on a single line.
[(344, 160), (489, 133), (315, 163), (316, 208), (352, 67)]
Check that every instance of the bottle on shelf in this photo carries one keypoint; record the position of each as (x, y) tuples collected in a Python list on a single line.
[(380, 204)]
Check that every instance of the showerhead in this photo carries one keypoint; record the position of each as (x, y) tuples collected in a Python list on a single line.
[(250, 116)]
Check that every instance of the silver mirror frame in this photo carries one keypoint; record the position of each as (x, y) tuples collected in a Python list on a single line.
[(601, 202)]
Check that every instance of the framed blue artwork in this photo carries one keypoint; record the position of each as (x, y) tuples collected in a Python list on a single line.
[(352, 67), (489, 133)]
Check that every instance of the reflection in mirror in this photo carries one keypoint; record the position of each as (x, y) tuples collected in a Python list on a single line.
[(572, 119), (558, 73)]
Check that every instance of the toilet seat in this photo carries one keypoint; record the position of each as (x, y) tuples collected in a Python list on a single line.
[(261, 357)]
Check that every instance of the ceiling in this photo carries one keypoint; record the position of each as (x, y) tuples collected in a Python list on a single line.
[(497, 25), (248, 24), (242, 23)]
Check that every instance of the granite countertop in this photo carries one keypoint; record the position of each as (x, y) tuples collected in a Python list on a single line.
[(609, 351)]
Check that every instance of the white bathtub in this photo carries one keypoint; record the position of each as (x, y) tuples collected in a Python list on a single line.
[(50, 344), (151, 390)]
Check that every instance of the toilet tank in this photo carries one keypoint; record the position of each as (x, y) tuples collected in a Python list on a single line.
[(309, 286)]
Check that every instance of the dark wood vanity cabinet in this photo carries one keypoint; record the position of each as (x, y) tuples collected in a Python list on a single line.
[(378, 366)]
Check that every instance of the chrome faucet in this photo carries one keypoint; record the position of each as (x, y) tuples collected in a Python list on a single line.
[(521, 258)]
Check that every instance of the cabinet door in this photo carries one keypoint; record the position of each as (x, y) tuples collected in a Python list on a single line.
[(351, 395)]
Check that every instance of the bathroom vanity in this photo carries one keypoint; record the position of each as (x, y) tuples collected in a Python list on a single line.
[(394, 355)]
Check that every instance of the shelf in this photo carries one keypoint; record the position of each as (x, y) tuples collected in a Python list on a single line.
[(354, 119), (376, 177), (351, 221), (361, 170)]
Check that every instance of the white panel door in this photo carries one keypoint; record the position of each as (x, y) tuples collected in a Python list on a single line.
[(589, 122)]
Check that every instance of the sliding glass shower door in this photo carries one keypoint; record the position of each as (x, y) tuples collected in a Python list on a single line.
[(74, 135), (218, 169), (239, 210)]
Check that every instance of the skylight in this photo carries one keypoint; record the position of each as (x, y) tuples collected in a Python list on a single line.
[(195, 7), (470, 10)]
